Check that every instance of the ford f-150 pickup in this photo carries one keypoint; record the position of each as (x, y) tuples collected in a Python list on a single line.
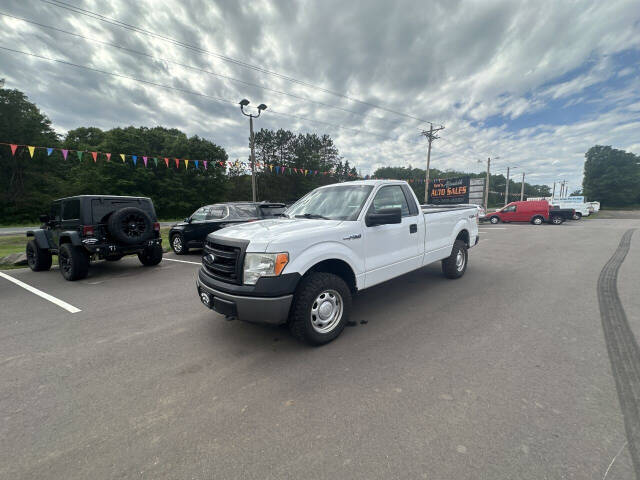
[(303, 268)]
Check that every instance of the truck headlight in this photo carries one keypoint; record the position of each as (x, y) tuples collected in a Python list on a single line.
[(258, 265)]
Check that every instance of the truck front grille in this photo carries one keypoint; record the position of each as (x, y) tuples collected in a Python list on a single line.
[(223, 262)]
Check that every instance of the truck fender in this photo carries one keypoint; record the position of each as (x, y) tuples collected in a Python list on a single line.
[(71, 237), (460, 226), (40, 237), (327, 251)]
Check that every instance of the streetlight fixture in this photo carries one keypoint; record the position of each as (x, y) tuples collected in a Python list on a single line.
[(243, 103)]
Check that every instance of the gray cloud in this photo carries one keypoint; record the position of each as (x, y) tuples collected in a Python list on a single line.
[(460, 63)]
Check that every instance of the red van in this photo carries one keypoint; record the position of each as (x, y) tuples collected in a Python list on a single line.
[(535, 212)]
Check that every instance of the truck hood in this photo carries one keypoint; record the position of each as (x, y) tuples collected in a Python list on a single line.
[(264, 232)]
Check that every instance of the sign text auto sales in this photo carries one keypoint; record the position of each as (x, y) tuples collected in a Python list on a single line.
[(449, 190)]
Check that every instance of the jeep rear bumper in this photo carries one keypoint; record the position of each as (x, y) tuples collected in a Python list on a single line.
[(270, 310), (102, 249)]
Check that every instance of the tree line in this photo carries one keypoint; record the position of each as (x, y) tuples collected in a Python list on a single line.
[(28, 185)]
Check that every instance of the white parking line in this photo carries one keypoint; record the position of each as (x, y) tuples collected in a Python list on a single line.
[(181, 261), (40, 293)]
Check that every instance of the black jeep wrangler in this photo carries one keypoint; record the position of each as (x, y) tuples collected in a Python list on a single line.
[(99, 226)]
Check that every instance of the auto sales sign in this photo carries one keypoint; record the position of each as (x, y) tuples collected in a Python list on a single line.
[(449, 190)]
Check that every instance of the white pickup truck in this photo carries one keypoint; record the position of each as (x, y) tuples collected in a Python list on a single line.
[(303, 268)]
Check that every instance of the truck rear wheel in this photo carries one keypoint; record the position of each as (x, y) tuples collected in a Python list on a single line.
[(73, 262), (577, 216), (494, 219), (455, 264), (557, 220), (38, 258), (321, 308)]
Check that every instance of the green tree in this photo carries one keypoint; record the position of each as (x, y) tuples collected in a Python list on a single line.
[(611, 176)]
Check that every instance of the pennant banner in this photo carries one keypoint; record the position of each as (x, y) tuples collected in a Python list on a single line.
[(49, 150), (31, 150)]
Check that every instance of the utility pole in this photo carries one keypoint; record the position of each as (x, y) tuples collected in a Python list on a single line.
[(506, 189), (553, 192), (522, 189), (243, 103), (486, 187), (431, 136)]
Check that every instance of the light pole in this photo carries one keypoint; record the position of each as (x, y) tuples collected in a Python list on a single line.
[(243, 103)]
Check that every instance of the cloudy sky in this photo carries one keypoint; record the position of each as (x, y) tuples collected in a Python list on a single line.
[(533, 83)]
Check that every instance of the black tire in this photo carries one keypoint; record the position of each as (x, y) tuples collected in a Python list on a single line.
[(177, 244), (151, 256), (38, 259), (557, 220), (130, 225), (577, 216), (73, 262), (537, 220), (494, 220), (311, 288), (451, 266)]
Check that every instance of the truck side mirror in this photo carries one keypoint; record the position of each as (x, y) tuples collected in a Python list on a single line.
[(44, 218), (384, 216)]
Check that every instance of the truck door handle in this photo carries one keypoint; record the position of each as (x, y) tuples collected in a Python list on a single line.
[(413, 228)]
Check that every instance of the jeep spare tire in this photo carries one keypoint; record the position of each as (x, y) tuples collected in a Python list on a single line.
[(130, 225)]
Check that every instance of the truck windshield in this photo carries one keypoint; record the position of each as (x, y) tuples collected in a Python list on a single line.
[(342, 202)]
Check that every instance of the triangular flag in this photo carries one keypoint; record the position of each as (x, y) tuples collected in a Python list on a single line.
[(13, 149), (305, 172), (295, 170), (222, 164), (108, 157), (64, 153), (155, 160), (49, 150), (196, 163), (79, 152), (95, 156), (277, 169), (122, 157), (144, 159), (135, 159), (166, 161), (177, 162), (186, 163), (205, 164), (31, 150)]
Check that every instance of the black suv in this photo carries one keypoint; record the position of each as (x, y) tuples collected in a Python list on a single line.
[(100, 226), (193, 231)]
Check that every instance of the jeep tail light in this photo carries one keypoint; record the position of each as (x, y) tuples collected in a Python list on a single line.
[(87, 231), (156, 226)]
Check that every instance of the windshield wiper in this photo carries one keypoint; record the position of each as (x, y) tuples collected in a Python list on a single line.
[(311, 215)]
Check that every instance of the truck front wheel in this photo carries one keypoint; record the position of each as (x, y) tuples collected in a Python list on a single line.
[(455, 264), (321, 308)]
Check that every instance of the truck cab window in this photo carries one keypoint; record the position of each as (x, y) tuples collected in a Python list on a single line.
[(391, 196)]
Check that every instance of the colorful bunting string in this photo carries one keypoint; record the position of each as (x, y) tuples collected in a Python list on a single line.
[(267, 167)]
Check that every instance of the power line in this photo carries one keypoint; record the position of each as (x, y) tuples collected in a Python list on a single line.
[(191, 92), (118, 23), (190, 67)]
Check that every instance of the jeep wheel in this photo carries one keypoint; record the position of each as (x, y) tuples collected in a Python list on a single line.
[(320, 309), (73, 262), (38, 258), (130, 225), (151, 256), (455, 264), (178, 246)]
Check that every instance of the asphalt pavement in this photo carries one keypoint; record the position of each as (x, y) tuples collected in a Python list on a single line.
[(501, 374)]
